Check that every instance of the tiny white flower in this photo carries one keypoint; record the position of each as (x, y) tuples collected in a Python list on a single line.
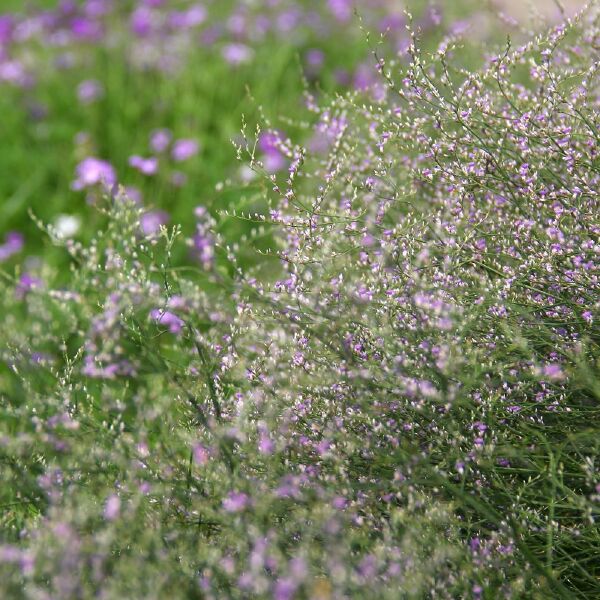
[(66, 226)]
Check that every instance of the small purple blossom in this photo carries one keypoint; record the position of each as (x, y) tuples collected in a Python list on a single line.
[(285, 589), (84, 28), (341, 9), (112, 508), (167, 319), (236, 502), (142, 21), (269, 144), (201, 454), (184, 149), (186, 19), (89, 91), (315, 59), (160, 139), (93, 171), (13, 244), (553, 371), (203, 247), (26, 284), (152, 221), (265, 444), (237, 54), (146, 166)]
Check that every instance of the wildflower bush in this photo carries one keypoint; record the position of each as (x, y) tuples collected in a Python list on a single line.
[(398, 398)]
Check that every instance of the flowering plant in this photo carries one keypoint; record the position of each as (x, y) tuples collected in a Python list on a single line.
[(397, 400)]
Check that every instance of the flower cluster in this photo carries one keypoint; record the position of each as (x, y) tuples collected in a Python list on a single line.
[(396, 398)]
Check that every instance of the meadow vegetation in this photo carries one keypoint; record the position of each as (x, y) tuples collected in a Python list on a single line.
[(298, 302)]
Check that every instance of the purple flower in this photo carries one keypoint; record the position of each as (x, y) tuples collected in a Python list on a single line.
[(184, 149), (26, 283), (112, 508), (285, 589), (170, 320), (459, 27), (12, 71), (141, 22), (339, 503), (94, 368), (269, 141), (10, 554), (160, 139), (288, 20), (13, 243), (237, 54), (340, 9), (265, 444), (392, 22), (146, 166), (553, 372), (368, 567), (315, 58), (192, 17), (322, 447), (203, 247), (236, 502), (273, 158), (92, 171), (96, 8), (84, 28), (6, 28), (134, 194), (365, 77), (150, 222), (89, 91), (201, 454)]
